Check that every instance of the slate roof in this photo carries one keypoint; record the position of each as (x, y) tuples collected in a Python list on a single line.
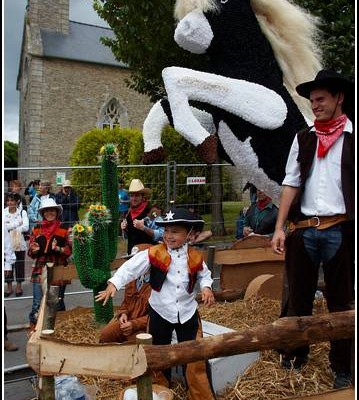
[(81, 44)]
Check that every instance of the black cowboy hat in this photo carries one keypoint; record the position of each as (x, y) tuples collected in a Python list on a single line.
[(326, 78), (182, 216)]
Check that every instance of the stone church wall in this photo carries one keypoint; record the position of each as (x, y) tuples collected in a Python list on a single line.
[(72, 96)]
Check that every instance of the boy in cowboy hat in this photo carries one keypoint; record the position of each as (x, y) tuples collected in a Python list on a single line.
[(134, 223), (174, 268), (49, 244), (318, 199)]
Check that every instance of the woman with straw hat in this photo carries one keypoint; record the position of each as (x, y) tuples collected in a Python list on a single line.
[(49, 245)]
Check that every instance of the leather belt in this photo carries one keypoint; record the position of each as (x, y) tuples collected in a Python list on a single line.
[(318, 222)]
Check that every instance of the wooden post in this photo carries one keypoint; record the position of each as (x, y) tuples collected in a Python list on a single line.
[(284, 333), (52, 299), (210, 257), (47, 383), (144, 382)]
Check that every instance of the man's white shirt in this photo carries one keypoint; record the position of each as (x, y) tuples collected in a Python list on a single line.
[(323, 195)]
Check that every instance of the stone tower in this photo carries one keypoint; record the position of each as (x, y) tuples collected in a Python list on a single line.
[(69, 83)]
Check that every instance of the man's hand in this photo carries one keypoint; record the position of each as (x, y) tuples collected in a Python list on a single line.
[(247, 230), (278, 241), (139, 224)]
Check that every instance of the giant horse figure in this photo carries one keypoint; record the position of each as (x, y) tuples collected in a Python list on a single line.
[(259, 50)]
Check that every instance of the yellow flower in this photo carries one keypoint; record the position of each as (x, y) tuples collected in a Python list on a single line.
[(80, 228), (89, 229), (98, 208), (102, 149)]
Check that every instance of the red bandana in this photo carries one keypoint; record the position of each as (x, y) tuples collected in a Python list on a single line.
[(135, 212), (262, 204), (48, 228), (328, 133)]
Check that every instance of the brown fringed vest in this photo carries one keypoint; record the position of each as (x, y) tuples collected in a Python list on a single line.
[(307, 141), (160, 261)]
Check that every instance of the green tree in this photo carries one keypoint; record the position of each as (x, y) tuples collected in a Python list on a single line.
[(144, 41), (86, 151), (338, 32), (10, 159)]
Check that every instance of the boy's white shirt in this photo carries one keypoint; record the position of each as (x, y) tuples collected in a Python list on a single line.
[(173, 302)]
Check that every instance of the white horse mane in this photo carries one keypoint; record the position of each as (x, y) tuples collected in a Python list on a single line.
[(292, 33)]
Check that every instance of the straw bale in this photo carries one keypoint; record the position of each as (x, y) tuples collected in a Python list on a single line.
[(263, 380)]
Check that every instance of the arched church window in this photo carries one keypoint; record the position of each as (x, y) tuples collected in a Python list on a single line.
[(113, 114)]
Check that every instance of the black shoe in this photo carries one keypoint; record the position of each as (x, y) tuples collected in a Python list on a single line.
[(60, 306), (290, 362), (342, 379)]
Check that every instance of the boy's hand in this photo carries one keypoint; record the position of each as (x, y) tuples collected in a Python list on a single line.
[(123, 318), (104, 295), (207, 296), (127, 328)]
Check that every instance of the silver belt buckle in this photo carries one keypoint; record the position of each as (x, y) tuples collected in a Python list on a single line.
[(317, 223)]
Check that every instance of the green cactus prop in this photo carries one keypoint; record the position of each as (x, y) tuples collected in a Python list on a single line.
[(95, 241)]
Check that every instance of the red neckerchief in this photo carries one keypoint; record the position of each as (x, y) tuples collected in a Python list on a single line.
[(262, 204), (48, 228), (328, 133), (135, 212)]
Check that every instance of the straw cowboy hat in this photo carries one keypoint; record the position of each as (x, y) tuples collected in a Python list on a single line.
[(67, 183), (49, 203), (326, 78), (136, 186), (182, 216)]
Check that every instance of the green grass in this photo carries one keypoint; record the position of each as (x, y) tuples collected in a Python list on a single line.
[(231, 210)]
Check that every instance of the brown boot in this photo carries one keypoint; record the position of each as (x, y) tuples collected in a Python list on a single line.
[(9, 346), (154, 156), (207, 150)]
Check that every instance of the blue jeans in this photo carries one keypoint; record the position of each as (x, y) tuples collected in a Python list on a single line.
[(322, 245), (306, 250), (36, 301)]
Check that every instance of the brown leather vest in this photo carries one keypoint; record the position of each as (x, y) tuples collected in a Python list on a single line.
[(160, 262), (307, 141)]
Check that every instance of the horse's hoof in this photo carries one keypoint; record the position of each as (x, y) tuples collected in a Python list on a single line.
[(154, 156), (207, 150)]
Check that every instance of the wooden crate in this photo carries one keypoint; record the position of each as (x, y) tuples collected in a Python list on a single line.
[(240, 266)]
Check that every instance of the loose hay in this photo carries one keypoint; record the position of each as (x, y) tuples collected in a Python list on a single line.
[(263, 380)]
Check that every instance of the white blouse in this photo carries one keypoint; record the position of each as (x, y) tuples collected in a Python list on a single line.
[(17, 221)]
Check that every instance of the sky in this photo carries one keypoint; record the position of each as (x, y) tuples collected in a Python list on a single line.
[(13, 12)]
